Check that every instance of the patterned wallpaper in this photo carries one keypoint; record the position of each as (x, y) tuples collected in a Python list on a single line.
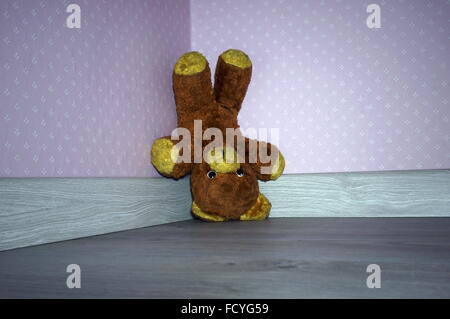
[(88, 101), (345, 97)]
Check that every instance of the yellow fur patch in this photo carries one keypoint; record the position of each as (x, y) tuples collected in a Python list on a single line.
[(237, 58), (164, 155), (259, 211), (278, 168), (223, 160), (190, 63)]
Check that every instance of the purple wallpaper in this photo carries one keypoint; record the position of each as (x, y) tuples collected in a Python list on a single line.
[(345, 97), (88, 101)]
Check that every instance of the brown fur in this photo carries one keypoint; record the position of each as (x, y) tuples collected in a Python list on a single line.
[(227, 195)]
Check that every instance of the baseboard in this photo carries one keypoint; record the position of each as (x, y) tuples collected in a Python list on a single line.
[(37, 211), (423, 193)]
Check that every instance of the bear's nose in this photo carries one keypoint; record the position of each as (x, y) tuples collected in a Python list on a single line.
[(223, 159)]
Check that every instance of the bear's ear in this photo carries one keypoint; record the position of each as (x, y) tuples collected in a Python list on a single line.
[(232, 77), (192, 82)]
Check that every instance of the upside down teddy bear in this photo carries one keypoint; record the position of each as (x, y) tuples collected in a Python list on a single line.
[(224, 180)]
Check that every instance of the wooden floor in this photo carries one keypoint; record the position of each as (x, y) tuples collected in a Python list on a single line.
[(277, 258)]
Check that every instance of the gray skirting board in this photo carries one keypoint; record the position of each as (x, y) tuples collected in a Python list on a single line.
[(41, 210)]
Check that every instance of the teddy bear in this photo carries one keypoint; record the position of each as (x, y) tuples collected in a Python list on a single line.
[(224, 175)]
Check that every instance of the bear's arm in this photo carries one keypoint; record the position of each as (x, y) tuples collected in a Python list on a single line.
[(165, 157)]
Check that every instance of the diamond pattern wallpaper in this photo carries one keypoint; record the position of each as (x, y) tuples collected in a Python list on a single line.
[(345, 97), (88, 101)]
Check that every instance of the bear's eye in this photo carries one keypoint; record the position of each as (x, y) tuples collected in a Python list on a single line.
[(240, 172), (211, 174)]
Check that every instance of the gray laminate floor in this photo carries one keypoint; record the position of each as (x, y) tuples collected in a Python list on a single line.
[(277, 258)]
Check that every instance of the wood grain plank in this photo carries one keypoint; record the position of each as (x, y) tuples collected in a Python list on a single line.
[(276, 258), (37, 211), (362, 194)]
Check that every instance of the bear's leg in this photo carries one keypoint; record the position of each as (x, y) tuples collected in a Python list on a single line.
[(232, 77), (191, 84)]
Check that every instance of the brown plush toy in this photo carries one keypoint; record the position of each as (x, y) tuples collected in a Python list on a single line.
[(224, 179)]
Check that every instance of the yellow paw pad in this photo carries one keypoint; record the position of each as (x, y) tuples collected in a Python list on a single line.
[(164, 154), (236, 58), (190, 63), (278, 168)]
